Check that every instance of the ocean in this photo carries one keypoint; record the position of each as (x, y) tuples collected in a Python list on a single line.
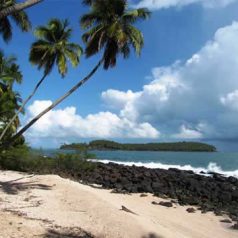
[(220, 162)]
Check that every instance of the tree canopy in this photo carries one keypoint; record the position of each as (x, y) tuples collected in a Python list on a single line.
[(20, 18), (10, 100)]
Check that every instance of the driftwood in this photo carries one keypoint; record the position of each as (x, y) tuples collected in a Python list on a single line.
[(123, 208)]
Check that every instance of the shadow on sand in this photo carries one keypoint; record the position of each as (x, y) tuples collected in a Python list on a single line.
[(13, 187), (151, 235), (51, 233)]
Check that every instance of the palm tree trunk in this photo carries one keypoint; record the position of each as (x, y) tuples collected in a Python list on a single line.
[(58, 101), (22, 107), (18, 7)]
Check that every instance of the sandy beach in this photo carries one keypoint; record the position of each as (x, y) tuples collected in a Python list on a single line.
[(50, 206)]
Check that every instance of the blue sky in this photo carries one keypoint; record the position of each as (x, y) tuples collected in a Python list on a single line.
[(147, 98)]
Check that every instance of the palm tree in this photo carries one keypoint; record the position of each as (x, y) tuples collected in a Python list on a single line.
[(20, 18), (9, 7), (109, 28), (52, 47), (9, 100)]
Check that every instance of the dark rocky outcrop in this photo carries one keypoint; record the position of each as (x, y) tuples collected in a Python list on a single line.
[(209, 193)]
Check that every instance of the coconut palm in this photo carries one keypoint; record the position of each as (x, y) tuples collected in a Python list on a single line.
[(52, 48), (20, 18), (109, 27), (9, 100), (10, 7)]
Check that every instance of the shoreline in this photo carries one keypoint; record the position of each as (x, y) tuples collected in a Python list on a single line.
[(48, 204), (210, 193)]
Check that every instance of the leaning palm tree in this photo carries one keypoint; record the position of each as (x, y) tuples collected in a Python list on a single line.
[(20, 18), (51, 48), (9, 9), (109, 27)]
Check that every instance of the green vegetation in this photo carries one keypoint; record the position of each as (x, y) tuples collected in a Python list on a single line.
[(52, 48), (111, 145), (10, 7), (19, 17), (109, 27), (10, 100), (21, 158)]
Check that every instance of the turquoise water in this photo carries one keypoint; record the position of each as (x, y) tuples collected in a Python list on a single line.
[(220, 162)]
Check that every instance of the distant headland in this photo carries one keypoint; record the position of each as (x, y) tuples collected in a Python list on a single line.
[(112, 145)]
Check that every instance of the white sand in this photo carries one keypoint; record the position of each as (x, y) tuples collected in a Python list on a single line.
[(31, 205)]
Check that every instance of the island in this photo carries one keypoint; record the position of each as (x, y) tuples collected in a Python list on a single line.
[(112, 145)]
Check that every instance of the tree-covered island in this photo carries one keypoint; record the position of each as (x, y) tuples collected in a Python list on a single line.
[(112, 145)]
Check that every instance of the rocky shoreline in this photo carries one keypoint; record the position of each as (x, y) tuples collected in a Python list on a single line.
[(209, 193)]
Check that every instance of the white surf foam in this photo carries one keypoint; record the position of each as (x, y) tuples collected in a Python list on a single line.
[(212, 167)]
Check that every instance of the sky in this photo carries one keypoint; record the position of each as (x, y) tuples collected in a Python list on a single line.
[(183, 87)]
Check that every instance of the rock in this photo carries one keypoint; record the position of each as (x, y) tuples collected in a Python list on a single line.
[(191, 210), (226, 221), (232, 180), (174, 201), (235, 226), (157, 187), (143, 195), (218, 213), (235, 195), (166, 204), (145, 187), (155, 203)]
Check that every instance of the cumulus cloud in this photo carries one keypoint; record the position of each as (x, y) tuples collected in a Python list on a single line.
[(231, 100), (194, 99), (159, 4), (66, 123), (187, 133), (116, 99)]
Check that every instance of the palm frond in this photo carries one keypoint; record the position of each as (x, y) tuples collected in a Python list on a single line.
[(110, 28), (6, 29), (135, 15), (62, 64), (53, 46), (21, 19)]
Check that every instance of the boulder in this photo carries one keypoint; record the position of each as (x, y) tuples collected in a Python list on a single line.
[(226, 221), (190, 210), (166, 204)]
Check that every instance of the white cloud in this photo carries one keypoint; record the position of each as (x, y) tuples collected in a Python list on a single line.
[(159, 4), (231, 100), (199, 92), (197, 99), (66, 123), (187, 133), (116, 99)]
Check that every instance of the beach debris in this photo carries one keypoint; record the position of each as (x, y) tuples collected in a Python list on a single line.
[(191, 210), (226, 221), (123, 208)]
